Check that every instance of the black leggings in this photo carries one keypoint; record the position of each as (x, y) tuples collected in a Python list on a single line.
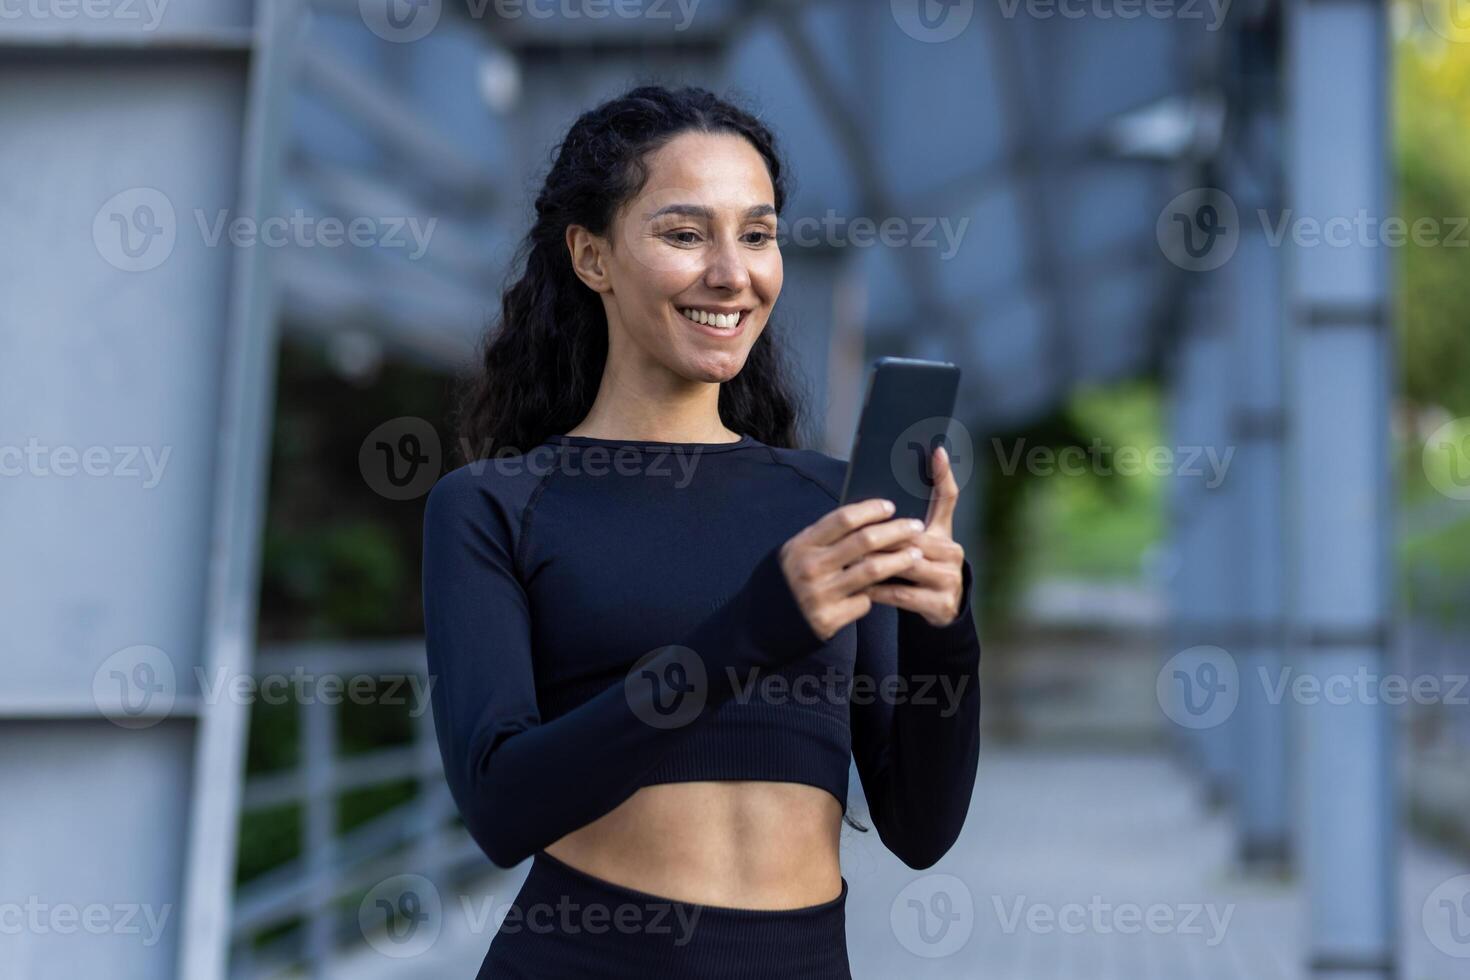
[(566, 923)]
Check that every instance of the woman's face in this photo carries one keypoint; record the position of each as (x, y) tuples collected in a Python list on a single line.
[(700, 238)]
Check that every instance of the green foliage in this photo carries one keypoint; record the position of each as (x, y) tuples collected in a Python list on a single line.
[(1431, 112), (340, 560), (1039, 520), (268, 838), (340, 579)]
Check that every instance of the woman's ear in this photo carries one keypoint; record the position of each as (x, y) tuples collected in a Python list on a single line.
[(588, 254)]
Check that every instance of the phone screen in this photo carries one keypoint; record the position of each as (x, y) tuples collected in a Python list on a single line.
[(907, 412)]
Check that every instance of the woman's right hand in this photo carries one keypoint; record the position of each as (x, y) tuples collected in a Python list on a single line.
[(829, 563)]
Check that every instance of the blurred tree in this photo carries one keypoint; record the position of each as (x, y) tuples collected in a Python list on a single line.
[(1432, 154)]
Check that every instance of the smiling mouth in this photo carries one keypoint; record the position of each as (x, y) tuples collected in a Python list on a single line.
[(725, 322)]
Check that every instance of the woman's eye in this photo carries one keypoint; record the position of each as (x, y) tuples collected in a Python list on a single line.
[(684, 237), (759, 237)]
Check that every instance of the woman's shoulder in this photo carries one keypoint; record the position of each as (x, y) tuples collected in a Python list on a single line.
[(501, 485), (818, 467)]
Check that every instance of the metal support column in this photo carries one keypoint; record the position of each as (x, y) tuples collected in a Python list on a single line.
[(137, 363), (1340, 509), (1254, 292), (1202, 600)]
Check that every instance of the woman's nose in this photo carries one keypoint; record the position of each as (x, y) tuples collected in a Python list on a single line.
[(727, 268)]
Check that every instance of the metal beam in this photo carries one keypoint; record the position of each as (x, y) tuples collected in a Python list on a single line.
[(1256, 307), (932, 318), (1338, 372), (247, 398)]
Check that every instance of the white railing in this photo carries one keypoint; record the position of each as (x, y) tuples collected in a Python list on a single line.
[(420, 836)]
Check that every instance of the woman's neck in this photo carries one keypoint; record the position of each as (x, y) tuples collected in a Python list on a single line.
[(695, 418)]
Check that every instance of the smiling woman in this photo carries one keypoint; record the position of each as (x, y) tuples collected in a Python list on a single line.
[(643, 673)]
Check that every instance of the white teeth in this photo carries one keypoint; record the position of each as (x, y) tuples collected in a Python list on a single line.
[(722, 321)]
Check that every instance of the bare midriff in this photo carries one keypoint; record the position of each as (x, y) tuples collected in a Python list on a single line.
[(736, 843)]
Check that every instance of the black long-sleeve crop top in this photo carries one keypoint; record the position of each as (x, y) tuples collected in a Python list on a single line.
[(603, 615)]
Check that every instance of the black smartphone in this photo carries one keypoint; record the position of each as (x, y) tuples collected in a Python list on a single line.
[(907, 410)]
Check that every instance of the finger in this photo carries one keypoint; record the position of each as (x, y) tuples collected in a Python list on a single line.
[(913, 598), (837, 524), (877, 566), (838, 614), (937, 547), (938, 576), (933, 586), (886, 536), (946, 493)]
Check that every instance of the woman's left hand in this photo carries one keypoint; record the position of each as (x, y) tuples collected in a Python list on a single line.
[(938, 577)]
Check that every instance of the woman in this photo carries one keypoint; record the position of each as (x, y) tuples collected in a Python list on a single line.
[(645, 611)]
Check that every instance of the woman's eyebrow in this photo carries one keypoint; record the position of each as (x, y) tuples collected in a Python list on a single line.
[(707, 213)]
